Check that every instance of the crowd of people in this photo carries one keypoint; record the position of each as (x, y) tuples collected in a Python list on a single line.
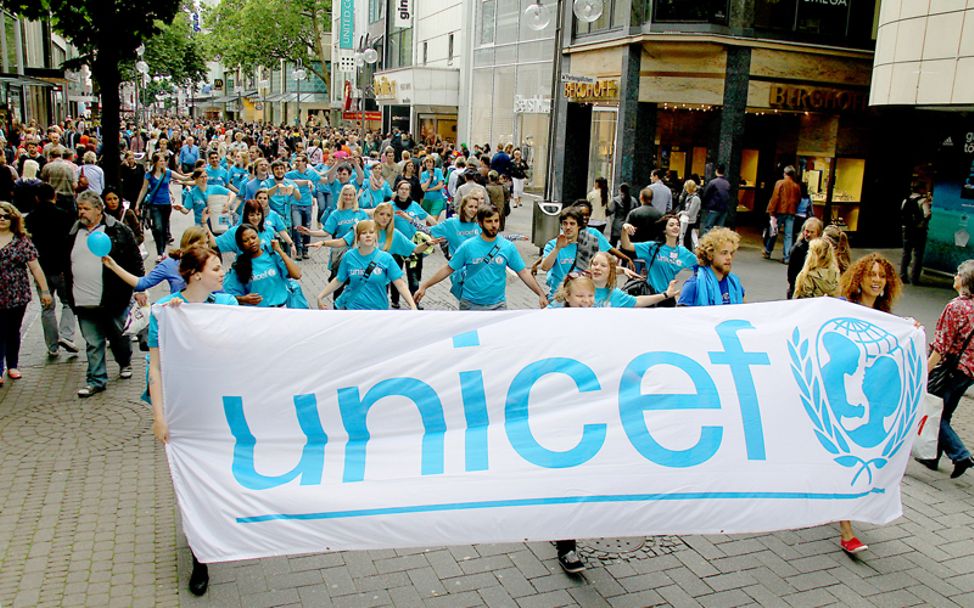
[(264, 198)]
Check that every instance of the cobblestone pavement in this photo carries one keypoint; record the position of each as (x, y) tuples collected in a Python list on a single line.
[(88, 518)]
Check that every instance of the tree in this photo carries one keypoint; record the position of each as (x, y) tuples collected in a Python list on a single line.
[(248, 34), (106, 33)]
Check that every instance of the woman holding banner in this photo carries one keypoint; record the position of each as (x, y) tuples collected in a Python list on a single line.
[(202, 272), (872, 282), (603, 269), (365, 271), (259, 277)]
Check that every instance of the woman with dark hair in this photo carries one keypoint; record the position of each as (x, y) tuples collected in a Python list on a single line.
[(259, 277), (619, 208), (598, 198), (663, 260), (953, 338), (115, 208), (253, 214), (409, 175), (408, 213), (157, 200), (872, 282), (202, 275)]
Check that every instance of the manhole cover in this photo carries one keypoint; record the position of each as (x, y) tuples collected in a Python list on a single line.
[(71, 428), (613, 550)]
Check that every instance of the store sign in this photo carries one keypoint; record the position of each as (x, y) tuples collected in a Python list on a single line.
[(592, 91), (816, 99), (218, 84), (576, 78), (403, 13), (358, 115), (346, 25), (384, 88), (532, 105)]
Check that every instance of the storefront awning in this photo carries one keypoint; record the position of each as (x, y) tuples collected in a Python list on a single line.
[(21, 80)]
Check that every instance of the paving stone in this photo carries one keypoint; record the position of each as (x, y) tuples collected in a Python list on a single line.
[(550, 599)]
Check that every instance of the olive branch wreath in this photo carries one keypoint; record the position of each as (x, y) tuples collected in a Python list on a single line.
[(826, 430)]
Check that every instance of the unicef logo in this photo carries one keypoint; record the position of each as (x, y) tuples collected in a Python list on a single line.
[(860, 389)]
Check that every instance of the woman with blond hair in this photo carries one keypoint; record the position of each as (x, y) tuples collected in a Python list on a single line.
[(820, 274), (690, 216), (18, 262), (840, 245), (603, 269)]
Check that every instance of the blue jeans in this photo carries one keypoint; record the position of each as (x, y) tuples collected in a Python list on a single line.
[(300, 216), (53, 330), (948, 441), (323, 202), (712, 219), (160, 226), (97, 327), (786, 227)]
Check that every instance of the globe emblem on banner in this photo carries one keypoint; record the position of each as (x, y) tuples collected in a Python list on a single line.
[(860, 388)]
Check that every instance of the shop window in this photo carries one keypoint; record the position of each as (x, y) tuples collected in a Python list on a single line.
[(822, 18), (375, 10), (749, 167), (613, 16), (487, 22), (426, 52), (526, 33), (508, 14), (698, 11), (852, 21), (400, 48), (775, 14), (481, 105)]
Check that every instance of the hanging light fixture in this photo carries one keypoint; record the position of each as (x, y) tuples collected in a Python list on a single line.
[(537, 16), (588, 10)]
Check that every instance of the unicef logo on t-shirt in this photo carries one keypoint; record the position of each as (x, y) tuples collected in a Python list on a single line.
[(860, 388), (499, 261)]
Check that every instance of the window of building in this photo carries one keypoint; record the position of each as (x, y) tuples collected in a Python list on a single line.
[(426, 52), (376, 8), (614, 15), (400, 49), (487, 22), (818, 21), (698, 11), (449, 50)]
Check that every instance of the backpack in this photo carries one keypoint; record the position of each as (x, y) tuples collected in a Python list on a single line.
[(911, 213)]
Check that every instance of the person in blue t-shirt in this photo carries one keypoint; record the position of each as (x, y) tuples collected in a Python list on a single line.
[(390, 240), (239, 175), (337, 178), (484, 261), (433, 184), (202, 272), (409, 215), (463, 226), (259, 277), (603, 270), (196, 198), (261, 170), (268, 228), (377, 192), (282, 192), (561, 253), (168, 269), (663, 260), (219, 176), (367, 271), (307, 180), (712, 282)]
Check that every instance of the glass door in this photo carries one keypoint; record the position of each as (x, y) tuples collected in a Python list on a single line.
[(602, 148)]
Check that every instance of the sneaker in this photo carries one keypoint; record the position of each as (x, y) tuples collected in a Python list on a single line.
[(67, 345), (959, 467), (305, 256), (125, 373), (89, 390), (853, 546), (766, 255), (570, 563)]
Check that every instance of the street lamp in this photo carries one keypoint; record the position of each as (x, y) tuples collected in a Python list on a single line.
[(299, 75), (538, 16), (365, 55), (142, 68)]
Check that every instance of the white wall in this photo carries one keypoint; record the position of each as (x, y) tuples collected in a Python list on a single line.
[(434, 22), (924, 53)]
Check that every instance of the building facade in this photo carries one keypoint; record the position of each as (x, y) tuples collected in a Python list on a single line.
[(923, 75)]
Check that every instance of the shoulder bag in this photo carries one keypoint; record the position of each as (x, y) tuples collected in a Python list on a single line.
[(944, 374)]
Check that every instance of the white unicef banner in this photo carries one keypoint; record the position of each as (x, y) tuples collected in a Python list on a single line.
[(307, 431)]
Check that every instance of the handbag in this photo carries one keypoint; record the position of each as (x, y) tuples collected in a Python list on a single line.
[(456, 289), (295, 296), (928, 428), (348, 296), (136, 321), (944, 374), (641, 287)]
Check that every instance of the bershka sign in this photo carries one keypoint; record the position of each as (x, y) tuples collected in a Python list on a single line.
[(404, 13), (503, 427)]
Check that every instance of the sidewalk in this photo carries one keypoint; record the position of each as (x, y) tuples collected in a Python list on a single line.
[(88, 518)]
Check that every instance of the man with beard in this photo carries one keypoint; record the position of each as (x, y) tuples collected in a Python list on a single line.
[(712, 282), (481, 265)]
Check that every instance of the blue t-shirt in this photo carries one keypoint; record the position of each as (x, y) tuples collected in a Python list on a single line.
[(195, 200), (564, 262), (614, 298), (281, 203), (370, 199), (487, 285), (307, 193), (335, 187), (239, 177), (688, 296), (436, 181), (367, 294), (252, 187), (342, 221), (669, 262), (227, 242), (401, 246), (269, 279), (161, 195), (414, 211), (455, 232), (218, 176), (215, 298)]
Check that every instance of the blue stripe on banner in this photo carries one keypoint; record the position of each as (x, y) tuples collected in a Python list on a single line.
[(558, 500), (466, 339)]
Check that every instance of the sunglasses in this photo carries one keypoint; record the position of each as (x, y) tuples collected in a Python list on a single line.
[(5, 216)]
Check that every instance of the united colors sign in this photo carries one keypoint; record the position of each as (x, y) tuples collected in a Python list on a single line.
[(306, 431)]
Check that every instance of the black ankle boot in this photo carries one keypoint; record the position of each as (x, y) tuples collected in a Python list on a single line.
[(199, 580), (961, 466)]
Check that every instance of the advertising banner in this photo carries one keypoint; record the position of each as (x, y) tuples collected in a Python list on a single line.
[(306, 431), (949, 234), (346, 25), (403, 16)]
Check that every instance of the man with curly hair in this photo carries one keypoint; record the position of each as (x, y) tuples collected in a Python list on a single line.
[(712, 282)]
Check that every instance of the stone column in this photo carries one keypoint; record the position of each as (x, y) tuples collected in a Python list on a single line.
[(732, 117), (636, 127)]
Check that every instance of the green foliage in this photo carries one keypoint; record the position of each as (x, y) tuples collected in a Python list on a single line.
[(177, 51), (260, 33)]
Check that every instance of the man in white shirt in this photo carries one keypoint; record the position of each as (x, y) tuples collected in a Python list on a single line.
[(662, 195)]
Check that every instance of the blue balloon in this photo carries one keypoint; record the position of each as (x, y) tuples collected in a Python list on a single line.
[(99, 244)]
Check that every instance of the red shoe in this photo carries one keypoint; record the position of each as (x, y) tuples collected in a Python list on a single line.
[(14, 374), (853, 546)]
